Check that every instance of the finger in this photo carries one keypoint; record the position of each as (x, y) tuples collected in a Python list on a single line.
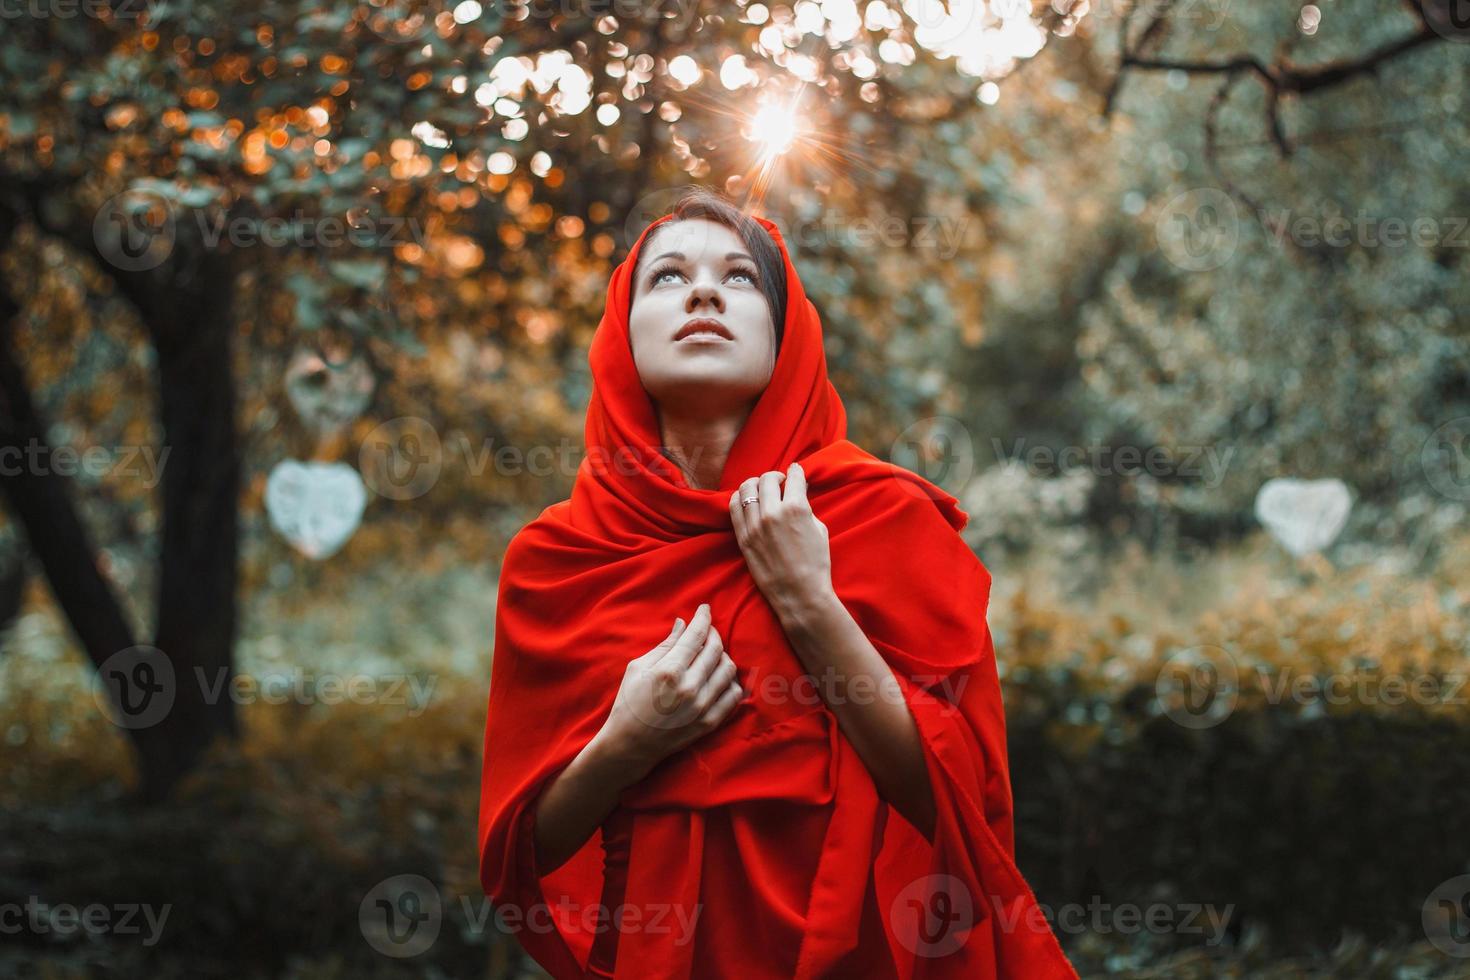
[(668, 641), (727, 702), (770, 493), (749, 513), (795, 484), (707, 660), (689, 643), (724, 674), (750, 487), (718, 682), (737, 516)]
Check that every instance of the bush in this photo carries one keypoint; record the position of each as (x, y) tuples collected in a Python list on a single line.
[(1321, 827)]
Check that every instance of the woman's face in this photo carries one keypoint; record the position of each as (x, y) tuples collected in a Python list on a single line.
[(699, 325)]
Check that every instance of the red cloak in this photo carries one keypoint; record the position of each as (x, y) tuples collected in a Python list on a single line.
[(762, 850)]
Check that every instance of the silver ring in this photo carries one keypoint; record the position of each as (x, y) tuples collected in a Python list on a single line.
[(747, 501)]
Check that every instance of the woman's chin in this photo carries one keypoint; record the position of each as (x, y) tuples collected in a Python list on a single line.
[(702, 386)]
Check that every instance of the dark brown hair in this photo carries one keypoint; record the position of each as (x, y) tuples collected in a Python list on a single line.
[(702, 202)]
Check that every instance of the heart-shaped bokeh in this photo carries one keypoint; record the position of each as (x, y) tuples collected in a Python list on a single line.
[(1305, 516), (315, 506), (325, 394)]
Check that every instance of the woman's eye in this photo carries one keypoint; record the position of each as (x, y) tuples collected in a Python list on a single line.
[(656, 278)]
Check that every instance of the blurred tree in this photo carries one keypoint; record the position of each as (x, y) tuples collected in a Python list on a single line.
[(1166, 277), (477, 164)]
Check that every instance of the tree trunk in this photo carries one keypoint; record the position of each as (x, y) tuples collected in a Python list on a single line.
[(198, 553), (186, 306)]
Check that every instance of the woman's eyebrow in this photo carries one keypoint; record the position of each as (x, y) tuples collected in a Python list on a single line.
[(681, 256)]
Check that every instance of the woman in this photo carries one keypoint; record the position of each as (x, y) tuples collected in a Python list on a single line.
[(744, 717)]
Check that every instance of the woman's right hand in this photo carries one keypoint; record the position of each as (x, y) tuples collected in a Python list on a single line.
[(682, 689)]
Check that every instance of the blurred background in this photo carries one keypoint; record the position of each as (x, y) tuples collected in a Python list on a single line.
[(295, 300)]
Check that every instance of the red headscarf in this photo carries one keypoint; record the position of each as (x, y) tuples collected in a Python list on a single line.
[(597, 580)]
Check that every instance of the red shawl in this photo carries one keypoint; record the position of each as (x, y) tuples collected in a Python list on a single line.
[(762, 850)]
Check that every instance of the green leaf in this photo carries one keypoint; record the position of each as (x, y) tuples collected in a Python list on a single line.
[(205, 119), (311, 297), (362, 273), (198, 197)]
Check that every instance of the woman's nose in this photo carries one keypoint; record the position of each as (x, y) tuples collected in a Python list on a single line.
[(704, 295)]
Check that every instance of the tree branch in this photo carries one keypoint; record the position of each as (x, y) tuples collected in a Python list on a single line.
[(1279, 79), (41, 499)]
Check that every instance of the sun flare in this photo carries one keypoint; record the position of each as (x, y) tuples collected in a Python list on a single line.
[(775, 128)]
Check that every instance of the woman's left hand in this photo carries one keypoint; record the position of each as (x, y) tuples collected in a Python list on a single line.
[(784, 544)]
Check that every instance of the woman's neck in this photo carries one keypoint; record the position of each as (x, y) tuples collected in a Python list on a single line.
[(700, 446)]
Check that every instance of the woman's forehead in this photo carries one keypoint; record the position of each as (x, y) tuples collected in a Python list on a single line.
[(692, 238)]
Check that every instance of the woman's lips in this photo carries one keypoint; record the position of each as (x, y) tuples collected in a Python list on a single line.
[(703, 325), (704, 337)]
